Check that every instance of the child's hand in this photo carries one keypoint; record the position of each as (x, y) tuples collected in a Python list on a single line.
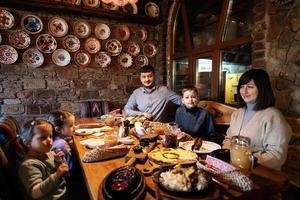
[(59, 155), (62, 170)]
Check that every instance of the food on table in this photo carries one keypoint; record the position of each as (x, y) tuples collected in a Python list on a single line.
[(170, 155), (136, 119), (197, 145), (144, 142), (137, 149), (184, 179), (122, 178), (111, 139), (152, 137), (103, 153)]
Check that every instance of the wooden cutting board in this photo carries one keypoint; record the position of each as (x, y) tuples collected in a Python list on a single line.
[(142, 156)]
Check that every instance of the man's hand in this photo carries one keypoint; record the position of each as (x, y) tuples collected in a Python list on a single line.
[(148, 115)]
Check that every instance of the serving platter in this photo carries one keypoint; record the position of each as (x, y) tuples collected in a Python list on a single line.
[(46, 43), (82, 58), (71, 43), (32, 24), (19, 39), (102, 59), (102, 31), (61, 57), (33, 58), (58, 27), (92, 45), (8, 54), (82, 29), (7, 20)]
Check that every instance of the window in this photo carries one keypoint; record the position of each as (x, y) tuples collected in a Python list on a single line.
[(212, 46)]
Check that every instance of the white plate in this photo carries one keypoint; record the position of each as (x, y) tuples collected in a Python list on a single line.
[(149, 49), (58, 27), (82, 29), (92, 45), (87, 131), (61, 57), (102, 59), (93, 142), (113, 47), (126, 140), (46, 43), (82, 58), (102, 31), (33, 58), (125, 60), (71, 43), (206, 147)]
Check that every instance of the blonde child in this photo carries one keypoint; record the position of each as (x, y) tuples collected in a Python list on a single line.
[(42, 171), (63, 124), (192, 119)]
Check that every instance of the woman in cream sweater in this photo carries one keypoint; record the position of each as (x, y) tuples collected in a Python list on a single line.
[(258, 119)]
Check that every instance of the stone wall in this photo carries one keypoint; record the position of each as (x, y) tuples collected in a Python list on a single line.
[(276, 47), (27, 92)]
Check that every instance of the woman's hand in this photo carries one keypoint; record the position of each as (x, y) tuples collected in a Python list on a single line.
[(148, 115)]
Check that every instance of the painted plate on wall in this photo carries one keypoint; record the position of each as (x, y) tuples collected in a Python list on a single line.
[(58, 27), (151, 9), (141, 34), (130, 8), (61, 57), (82, 58), (82, 29), (71, 43), (141, 60), (33, 58), (102, 31), (149, 50), (110, 6), (125, 60), (19, 39), (113, 47), (32, 24), (7, 20), (102, 59), (8, 54), (122, 32), (72, 2), (133, 48), (46, 43), (91, 3), (92, 45)]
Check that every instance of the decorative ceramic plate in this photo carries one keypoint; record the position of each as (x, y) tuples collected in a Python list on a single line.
[(141, 60), (92, 45), (58, 27), (33, 58), (71, 43), (32, 24), (133, 48), (46, 43), (113, 47), (130, 8), (151, 9), (141, 34), (19, 39), (61, 57), (122, 32), (149, 50), (82, 58), (7, 20), (102, 59), (8, 54), (110, 6), (102, 31), (125, 60), (82, 29), (72, 2), (91, 3)]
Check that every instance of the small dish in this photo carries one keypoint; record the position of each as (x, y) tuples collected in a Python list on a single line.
[(125, 60), (92, 45), (102, 31), (141, 34), (133, 48), (8, 54), (71, 43), (113, 47), (151, 9), (91, 3), (32, 24), (130, 8), (141, 60), (149, 50), (61, 57), (102, 59), (46, 43), (82, 58), (33, 58), (19, 39), (122, 32), (110, 6), (82, 29), (7, 20), (58, 27)]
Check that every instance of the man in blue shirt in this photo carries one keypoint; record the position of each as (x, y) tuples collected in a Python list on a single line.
[(150, 100)]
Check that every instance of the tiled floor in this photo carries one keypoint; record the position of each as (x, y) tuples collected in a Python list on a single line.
[(292, 194)]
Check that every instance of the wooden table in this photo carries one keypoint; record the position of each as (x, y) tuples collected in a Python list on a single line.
[(267, 181)]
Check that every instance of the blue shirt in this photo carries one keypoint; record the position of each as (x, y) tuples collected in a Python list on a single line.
[(61, 144), (151, 101), (196, 121)]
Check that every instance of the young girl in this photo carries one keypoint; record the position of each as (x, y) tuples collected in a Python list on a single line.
[(63, 124), (41, 173)]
